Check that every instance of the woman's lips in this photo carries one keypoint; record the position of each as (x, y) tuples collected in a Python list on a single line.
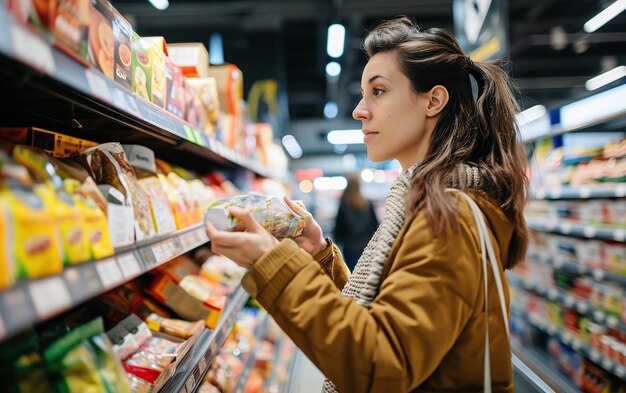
[(367, 135)]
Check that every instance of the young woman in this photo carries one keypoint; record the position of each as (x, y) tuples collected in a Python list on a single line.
[(412, 315)]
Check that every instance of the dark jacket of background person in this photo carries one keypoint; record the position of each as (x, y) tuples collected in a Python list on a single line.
[(356, 222)]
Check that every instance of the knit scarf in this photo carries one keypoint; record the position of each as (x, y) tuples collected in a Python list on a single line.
[(363, 284)]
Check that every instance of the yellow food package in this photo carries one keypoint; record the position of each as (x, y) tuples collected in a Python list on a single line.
[(36, 241), (7, 262), (58, 202), (94, 221)]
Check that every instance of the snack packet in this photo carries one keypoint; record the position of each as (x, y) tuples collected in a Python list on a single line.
[(271, 212)]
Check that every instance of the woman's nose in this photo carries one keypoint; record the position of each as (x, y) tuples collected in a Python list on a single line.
[(360, 112)]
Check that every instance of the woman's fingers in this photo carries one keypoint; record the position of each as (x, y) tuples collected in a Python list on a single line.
[(296, 208), (246, 219), (222, 238)]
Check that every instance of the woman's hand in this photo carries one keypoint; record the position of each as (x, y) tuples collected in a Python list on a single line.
[(242, 247), (312, 240)]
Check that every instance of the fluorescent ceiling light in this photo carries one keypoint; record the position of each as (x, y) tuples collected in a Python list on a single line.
[(606, 78), (333, 69), (335, 40), (345, 137), (331, 110), (160, 4), (604, 16), (530, 114), (292, 146)]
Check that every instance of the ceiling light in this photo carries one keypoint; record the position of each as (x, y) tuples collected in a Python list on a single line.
[(292, 146), (333, 69), (337, 137), (335, 40), (604, 16), (331, 110), (606, 78), (531, 114), (160, 4), (592, 109)]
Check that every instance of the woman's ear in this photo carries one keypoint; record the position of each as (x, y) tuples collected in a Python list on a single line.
[(437, 100)]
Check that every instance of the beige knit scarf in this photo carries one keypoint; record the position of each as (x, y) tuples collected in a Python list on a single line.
[(363, 284)]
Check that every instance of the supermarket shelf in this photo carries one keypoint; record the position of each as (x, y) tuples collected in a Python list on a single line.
[(616, 190), (580, 230), (33, 301), (43, 71), (259, 334), (270, 384), (286, 386), (195, 364), (569, 301), (540, 369), (581, 348), (574, 267)]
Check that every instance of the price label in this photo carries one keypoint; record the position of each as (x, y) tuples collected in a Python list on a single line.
[(129, 265), (620, 191), (50, 296), (551, 330), (98, 86), (553, 293), (556, 192), (212, 144), (585, 192), (159, 253), (567, 338), (566, 228), (188, 240), (550, 225), (607, 364), (612, 322), (109, 273), (577, 345), (599, 316), (589, 232), (620, 371), (569, 300), (557, 262), (191, 383), (619, 235), (32, 50)]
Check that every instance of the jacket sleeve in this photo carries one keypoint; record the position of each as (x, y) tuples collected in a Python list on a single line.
[(331, 260), (421, 309)]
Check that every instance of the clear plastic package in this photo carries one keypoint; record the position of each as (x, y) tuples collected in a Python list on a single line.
[(271, 212)]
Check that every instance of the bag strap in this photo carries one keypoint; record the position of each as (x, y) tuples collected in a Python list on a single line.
[(487, 246)]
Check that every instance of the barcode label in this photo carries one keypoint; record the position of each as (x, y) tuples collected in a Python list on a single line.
[(129, 265), (50, 296)]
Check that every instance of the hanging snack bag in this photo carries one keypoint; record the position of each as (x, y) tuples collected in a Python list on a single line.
[(271, 212)]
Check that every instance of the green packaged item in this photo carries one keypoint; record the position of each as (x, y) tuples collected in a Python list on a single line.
[(22, 367)]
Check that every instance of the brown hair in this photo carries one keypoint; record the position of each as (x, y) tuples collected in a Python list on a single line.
[(479, 133), (352, 195)]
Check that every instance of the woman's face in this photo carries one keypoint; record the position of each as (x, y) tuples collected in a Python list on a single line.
[(393, 116)]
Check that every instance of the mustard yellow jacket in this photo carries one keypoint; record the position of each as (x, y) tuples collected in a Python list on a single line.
[(425, 330)]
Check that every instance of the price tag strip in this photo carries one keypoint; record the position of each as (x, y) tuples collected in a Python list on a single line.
[(50, 296), (129, 265), (32, 49), (82, 282), (109, 273)]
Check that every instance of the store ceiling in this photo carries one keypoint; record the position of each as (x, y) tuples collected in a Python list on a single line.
[(286, 40)]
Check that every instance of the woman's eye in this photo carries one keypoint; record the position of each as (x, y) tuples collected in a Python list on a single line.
[(378, 91)]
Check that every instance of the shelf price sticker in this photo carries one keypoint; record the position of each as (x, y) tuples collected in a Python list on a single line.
[(595, 355), (582, 307), (607, 364), (50, 296), (620, 371), (129, 265), (612, 321), (98, 86), (566, 228), (620, 191), (32, 50), (589, 232), (159, 253), (585, 192), (599, 316), (598, 274), (109, 273), (569, 301), (619, 235), (553, 293)]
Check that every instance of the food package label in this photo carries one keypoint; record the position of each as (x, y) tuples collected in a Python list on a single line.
[(121, 224), (7, 261), (96, 228), (175, 89), (123, 56), (70, 21), (36, 241), (141, 67), (101, 38), (159, 78)]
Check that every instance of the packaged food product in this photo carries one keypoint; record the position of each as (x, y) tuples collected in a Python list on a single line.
[(23, 369), (271, 212), (122, 32), (70, 20), (141, 67), (206, 90), (31, 12), (108, 166), (192, 58), (173, 327), (35, 244), (101, 38), (220, 269), (75, 244), (159, 77)]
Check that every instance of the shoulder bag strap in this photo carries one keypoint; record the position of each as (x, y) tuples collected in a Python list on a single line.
[(487, 252)]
